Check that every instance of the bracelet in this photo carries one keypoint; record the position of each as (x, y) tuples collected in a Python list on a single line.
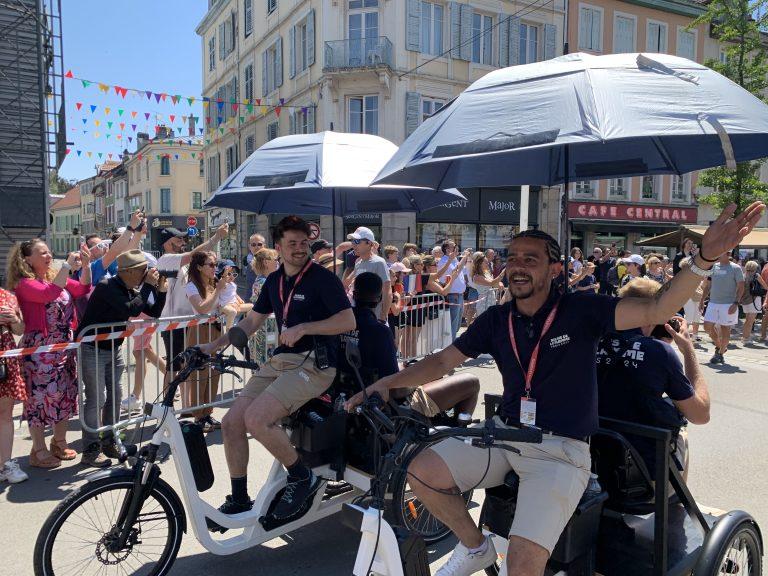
[(701, 255)]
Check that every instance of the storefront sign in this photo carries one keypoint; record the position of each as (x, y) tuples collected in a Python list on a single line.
[(632, 212), (363, 219), (456, 211), (502, 206)]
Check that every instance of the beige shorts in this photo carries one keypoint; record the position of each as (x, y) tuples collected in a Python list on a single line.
[(293, 379), (553, 477), (420, 401)]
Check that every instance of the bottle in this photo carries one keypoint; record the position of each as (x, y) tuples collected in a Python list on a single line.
[(593, 486)]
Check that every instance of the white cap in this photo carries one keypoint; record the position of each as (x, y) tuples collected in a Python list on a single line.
[(634, 259), (362, 233)]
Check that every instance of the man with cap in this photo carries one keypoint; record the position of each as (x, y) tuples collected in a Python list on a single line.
[(174, 264), (113, 301), (634, 264), (320, 248), (367, 261)]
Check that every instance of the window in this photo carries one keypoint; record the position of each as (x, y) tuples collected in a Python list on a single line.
[(271, 71), (429, 106), (271, 6), (618, 188), (686, 43), (590, 28), (249, 82), (681, 187), (148, 201), (584, 189), (364, 115), (649, 190), (202, 168), (250, 145), (120, 217), (623, 33), (482, 38), (165, 200), (147, 169), (302, 47), (656, 37), (197, 200), (354, 4), (272, 130), (232, 159), (723, 56), (165, 166), (214, 178), (212, 54), (247, 17), (529, 43), (431, 28)]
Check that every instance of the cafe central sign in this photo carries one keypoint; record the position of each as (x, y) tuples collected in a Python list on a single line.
[(632, 212)]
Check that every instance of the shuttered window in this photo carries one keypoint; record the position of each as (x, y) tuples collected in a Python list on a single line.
[(656, 37), (482, 38), (529, 43), (590, 28), (623, 34), (686, 43), (431, 28)]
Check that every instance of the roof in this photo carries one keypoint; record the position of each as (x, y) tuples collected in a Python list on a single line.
[(70, 200), (107, 166)]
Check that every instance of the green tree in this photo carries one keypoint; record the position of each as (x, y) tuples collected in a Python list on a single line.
[(737, 24), (57, 184)]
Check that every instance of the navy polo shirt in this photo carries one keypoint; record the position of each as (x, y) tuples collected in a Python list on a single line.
[(319, 295), (376, 345), (565, 382)]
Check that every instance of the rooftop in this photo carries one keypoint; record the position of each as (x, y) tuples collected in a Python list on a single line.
[(70, 200)]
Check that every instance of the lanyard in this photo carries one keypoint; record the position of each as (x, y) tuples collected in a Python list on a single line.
[(535, 354), (287, 303)]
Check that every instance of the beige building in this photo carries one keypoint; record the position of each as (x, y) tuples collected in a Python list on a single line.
[(66, 228), (166, 178), (372, 66)]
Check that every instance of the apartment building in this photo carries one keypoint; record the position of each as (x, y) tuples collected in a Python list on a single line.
[(65, 228), (166, 177), (371, 66), (116, 197)]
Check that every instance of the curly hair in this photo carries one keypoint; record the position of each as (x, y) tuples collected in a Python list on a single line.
[(18, 268), (203, 285)]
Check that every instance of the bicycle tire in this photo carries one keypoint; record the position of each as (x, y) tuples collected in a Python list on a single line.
[(162, 494), (736, 550)]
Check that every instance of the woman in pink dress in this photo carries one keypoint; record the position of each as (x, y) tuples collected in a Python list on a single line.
[(46, 296), (12, 387)]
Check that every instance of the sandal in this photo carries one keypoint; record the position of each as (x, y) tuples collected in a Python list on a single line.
[(62, 452), (50, 461)]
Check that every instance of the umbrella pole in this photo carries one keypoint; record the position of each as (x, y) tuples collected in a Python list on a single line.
[(565, 239), (333, 225)]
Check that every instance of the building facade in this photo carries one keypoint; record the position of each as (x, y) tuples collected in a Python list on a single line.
[(65, 227), (166, 177), (372, 66)]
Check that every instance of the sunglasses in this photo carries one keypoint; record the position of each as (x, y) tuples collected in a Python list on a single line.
[(361, 240), (257, 243), (210, 264)]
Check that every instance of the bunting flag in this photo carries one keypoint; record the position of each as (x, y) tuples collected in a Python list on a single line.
[(107, 111), (78, 105), (133, 113), (120, 112), (69, 74), (93, 108)]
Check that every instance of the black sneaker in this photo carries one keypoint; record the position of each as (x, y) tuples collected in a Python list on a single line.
[(94, 457), (110, 449), (296, 494), (215, 424), (230, 506), (716, 357)]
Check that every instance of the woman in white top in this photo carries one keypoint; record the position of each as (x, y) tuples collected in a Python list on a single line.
[(577, 258), (481, 279), (751, 304)]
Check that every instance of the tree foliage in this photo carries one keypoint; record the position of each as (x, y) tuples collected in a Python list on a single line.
[(737, 24), (57, 184)]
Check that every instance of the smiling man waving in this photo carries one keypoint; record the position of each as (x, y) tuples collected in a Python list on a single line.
[(544, 346)]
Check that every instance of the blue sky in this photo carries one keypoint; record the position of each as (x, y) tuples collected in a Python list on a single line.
[(142, 44)]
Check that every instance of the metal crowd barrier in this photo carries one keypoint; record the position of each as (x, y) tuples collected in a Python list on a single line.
[(112, 371)]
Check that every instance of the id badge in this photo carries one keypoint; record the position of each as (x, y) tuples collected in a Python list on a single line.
[(528, 411)]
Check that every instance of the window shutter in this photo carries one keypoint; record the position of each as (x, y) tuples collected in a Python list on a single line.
[(292, 123), (222, 44), (279, 62), (514, 41), (455, 30), (585, 28), (311, 37), (413, 26), (550, 41), (412, 103), (465, 51), (292, 52), (264, 87), (311, 119), (503, 40)]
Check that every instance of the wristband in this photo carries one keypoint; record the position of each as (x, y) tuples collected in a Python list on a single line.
[(130, 228), (701, 255)]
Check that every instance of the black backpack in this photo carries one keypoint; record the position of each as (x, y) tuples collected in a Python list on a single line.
[(756, 289)]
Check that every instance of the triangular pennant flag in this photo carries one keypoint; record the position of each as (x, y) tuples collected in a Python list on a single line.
[(207, 140), (232, 130), (133, 113), (86, 83), (117, 89), (140, 156), (103, 87), (109, 155), (221, 130), (97, 122), (258, 101), (122, 125), (157, 98), (120, 112), (146, 115), (282, 101), (184, 118), (67, 151), (220, 104), (220, 119), (205, 103), (234, 107), (107, 110), (130, 139), (158, 157), (201, 130), (191, 100), (89, 154), (109, 124), (241, 119), (163, 96), (96, 134), (101, 154), (249, 108), (176, 99), (133, 126), (149, 94), (176, 156), (304, 110), (93, 108), (69, 74), (193, 155), (263, 110), (79, 152), (277, 110), (85, 120), (78, 105), (172, 117), (120, 156), (119, 137)]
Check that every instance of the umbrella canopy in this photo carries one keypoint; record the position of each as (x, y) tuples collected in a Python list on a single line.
[(584, 117), (758, 238), (322, 173)]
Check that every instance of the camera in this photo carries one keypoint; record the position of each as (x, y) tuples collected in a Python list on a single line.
[(168, 273), (659, 331)]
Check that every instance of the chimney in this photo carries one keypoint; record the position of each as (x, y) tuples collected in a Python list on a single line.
[(142, 139), (192, 124)]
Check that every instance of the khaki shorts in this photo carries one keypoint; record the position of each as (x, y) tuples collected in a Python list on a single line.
[(553, 477), (420, 401), (293, 379)]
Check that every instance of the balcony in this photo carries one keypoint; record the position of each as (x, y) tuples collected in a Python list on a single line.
[(360, 53)]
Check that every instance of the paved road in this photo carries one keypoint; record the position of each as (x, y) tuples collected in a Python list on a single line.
[(727, 471)]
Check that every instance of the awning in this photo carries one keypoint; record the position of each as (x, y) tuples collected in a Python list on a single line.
[(758, 238)]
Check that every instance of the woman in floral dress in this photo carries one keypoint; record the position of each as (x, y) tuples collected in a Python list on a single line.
[(45, 296), (264, 263), (12, 387)]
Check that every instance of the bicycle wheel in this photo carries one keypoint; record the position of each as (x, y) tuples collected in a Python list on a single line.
[(739, 553), (74, 539)]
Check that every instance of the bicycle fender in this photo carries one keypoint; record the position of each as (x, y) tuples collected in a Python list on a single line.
[(719, 532)]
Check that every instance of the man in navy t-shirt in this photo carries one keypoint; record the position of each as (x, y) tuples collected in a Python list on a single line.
[(311, 310), (544, 346)]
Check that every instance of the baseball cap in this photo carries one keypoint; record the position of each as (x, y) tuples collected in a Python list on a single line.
[(399, 267), (362, 233), (318, 245), (634, 259), (168, 233)]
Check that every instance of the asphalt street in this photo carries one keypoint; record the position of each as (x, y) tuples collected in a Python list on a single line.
[(728, 469)]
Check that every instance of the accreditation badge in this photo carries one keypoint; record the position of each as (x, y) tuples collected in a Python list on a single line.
[(528, 411)]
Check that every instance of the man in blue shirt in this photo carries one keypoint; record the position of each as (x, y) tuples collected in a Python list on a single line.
[(455, 298), (544, 346), (105, 254)]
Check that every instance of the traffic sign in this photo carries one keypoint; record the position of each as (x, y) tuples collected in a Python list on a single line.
[(192, 231), (191, 221), (314, 231)]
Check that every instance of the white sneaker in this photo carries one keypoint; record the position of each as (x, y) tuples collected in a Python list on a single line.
[(462, 563), (130, 404), (12, 473)]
